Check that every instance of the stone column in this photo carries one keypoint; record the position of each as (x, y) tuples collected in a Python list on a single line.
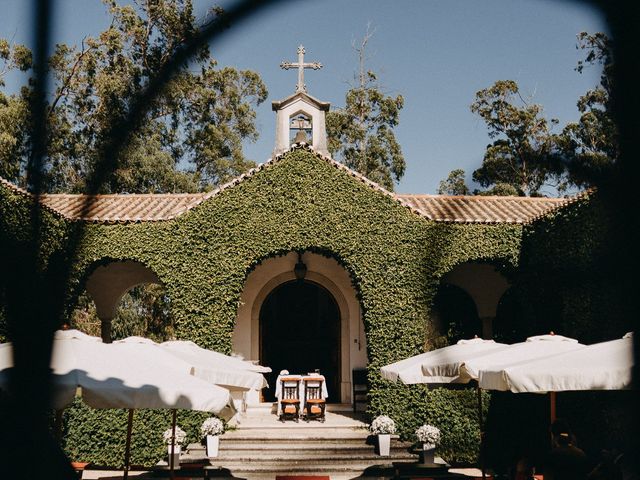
[(487, 327), (105, 329)]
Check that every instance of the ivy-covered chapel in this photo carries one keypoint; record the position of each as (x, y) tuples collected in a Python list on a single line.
[(302, 263)]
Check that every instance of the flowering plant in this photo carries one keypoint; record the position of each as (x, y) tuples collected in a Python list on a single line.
[(212, 426), (180, 436), (382, 424), (429, 434)]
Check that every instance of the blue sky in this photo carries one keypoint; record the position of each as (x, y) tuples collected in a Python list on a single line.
[(436, 53)]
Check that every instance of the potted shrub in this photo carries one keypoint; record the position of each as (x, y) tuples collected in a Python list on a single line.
[(383, 427), (430, 437), (211, 430), (180, 437)]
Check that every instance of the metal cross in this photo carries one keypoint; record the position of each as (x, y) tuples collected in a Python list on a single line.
[(300, 65)]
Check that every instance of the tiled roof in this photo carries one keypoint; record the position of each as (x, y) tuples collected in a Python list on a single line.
[(483, 209), (126, 208), (123, 208)]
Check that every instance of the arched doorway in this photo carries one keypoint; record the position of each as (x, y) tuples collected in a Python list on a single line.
[(300, 332)]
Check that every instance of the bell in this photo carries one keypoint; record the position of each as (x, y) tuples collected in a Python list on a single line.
[(300, 137)]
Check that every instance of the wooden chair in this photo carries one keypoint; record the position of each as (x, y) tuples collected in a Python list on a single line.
[(290, 398), (314, 401)]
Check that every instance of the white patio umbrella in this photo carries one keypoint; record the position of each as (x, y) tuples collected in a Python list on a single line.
[(441, 365), (207, 365), (211, 366), (540, 346), (123, 376), (602, 366), (462, 362), (190, 350)]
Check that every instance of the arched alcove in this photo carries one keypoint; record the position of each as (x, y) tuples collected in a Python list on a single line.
[(455, 315), (324, 272), (484, 284), (142, 311), (107, 283), (300, 122)]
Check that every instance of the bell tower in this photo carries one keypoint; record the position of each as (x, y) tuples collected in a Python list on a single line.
[(300, 117)]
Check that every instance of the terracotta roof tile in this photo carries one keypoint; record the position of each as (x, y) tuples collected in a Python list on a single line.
[(126, 208), (483, 209), (122, 208)]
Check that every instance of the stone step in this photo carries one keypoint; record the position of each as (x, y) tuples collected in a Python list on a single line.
[(333, 474), (243, 469), (300, 449), (283, 450), (318, 444), (260, 447), (329, 460), (265, 421), (335, 471), (259, 435)]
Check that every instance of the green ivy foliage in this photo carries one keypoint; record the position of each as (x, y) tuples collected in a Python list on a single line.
[(98, 436), (567, 282), (453, 411), (299, 202)]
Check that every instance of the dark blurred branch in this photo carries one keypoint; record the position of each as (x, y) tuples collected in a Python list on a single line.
[(36, 295)]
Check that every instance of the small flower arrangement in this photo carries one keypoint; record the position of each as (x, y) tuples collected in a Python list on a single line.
[(181, 436), (382, 425), (212, 426), (429, 434)]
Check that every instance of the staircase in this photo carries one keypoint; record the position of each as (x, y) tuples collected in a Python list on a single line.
[(262, 447)]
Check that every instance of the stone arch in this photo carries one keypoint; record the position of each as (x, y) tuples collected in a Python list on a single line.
[(327, 273), (454, 313), (484, 284), (109, 281)]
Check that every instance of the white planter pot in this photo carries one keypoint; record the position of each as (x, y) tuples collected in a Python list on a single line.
[(384, 444), (213, 445), (176, 455), (428, 453)]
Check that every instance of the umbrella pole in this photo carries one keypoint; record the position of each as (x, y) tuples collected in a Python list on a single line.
[(127, 448), (58, 425), (552, 405), (480, 420), (173, 443)]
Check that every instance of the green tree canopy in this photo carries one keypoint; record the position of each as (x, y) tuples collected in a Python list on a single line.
[(524, 153), (192, 136), (454, 184), (361, 134), (590, 145)]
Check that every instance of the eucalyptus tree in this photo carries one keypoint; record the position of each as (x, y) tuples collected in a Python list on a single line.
[(454, 184), (192, 135), (361, 133), (524, 153), (590, 145)]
